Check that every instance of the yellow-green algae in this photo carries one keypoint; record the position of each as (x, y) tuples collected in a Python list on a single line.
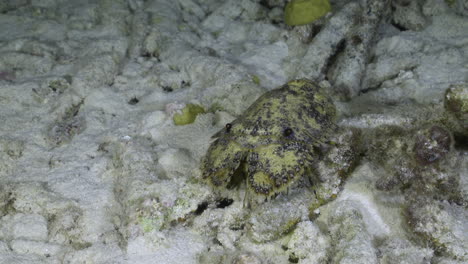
[(450, 2), (188, 114), (301, 12), (255, 79)]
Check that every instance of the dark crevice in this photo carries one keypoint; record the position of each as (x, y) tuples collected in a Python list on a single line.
[(167, 89), (293, 259), (369, 89), (340, 47), (133, 101), (184, 84), (398, 26), (265, 4), (461, 141), (220, 203), (313, 32), (201, 208), (224, 202)]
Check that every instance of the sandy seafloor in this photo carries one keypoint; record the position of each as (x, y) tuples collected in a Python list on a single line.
[(93, 169)]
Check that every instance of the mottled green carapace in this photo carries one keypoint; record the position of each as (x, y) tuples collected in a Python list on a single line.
[(273, 142)]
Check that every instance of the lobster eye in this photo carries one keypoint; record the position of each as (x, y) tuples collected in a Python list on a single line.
[(228, 127), (287, 132)]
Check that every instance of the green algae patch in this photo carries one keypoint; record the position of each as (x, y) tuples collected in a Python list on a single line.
[(255, 79), (450, 2), (188, 114), (301, 12), (456, 102)]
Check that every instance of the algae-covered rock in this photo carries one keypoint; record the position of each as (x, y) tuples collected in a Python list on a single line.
[(270, 221), (338, 161), (188, 114), (432, 144), (456, 101), (396, 250), (442, 225), (301, 12), (350, 239), (308, 244), (408, 15)]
